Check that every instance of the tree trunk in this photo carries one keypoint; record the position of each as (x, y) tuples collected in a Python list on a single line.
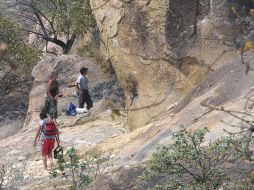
[(56, 41), (69, 44), (66, 46)]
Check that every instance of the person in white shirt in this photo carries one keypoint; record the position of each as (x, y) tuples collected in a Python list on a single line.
[(83, 92)]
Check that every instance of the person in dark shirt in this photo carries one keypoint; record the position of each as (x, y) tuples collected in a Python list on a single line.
[(52, 95)]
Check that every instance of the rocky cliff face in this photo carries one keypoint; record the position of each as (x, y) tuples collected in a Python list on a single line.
[(170, 57), (161, 49)]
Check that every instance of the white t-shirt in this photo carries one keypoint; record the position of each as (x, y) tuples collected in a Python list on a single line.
[(82, 81)]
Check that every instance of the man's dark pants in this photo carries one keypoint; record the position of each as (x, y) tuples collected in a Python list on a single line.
[(84, 97)]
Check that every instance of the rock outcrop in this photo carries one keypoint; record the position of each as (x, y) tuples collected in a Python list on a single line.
[(68, 67), (14, 93), (170, 57), (161, 49), (82, 131)]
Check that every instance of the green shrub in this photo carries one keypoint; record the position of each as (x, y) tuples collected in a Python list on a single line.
[(191, 165), (80, 173), (18, 52)]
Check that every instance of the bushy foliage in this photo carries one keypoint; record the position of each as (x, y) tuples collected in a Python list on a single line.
[(17, 53), (80, 173), (244, 184), (73, 16), (192, 165)]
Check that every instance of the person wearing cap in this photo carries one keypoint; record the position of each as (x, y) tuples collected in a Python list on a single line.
[(83, 92)]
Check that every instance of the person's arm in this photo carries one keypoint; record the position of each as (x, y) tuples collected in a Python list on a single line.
[(48, 90), (57, 91), (57, 136), (37, 135), (77, 84)]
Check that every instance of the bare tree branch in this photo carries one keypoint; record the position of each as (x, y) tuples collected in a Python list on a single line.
[(50, 23), (28, 18), (40, 22), (53, 4), (33, 32), (246, 131), (230, 112)]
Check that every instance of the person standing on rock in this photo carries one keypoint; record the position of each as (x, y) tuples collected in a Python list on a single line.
[(48, 132), (82, 87), (52, 95)]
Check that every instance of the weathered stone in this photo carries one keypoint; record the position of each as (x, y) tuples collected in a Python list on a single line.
[(156, 73), (67, 67), (165, 41), (2, 74)]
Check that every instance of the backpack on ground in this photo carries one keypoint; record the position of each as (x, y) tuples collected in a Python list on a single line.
[(71, 110), (49, 128)]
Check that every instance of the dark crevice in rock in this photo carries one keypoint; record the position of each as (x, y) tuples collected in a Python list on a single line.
[(110, 68), (140, 24), (110, 89), (203, 9), (138, 20), (181, 22), (96, 37), (180, 17), (133, 91), (242, 8)]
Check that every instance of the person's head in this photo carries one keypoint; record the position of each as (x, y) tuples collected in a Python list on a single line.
[(43, 115), (54, 75), (83, 71)]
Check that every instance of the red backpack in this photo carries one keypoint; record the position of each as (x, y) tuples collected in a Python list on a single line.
[(49, 128)]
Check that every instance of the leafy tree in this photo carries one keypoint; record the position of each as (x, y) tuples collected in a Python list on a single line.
[(14, 51), (190, 164), (57, 19), (72, 169), (80, 173)]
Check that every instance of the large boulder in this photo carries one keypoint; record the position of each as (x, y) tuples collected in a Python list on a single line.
[(161, 49), (68, 67)]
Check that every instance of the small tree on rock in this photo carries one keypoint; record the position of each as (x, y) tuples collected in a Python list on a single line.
[(57, 19), (190, 165)]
